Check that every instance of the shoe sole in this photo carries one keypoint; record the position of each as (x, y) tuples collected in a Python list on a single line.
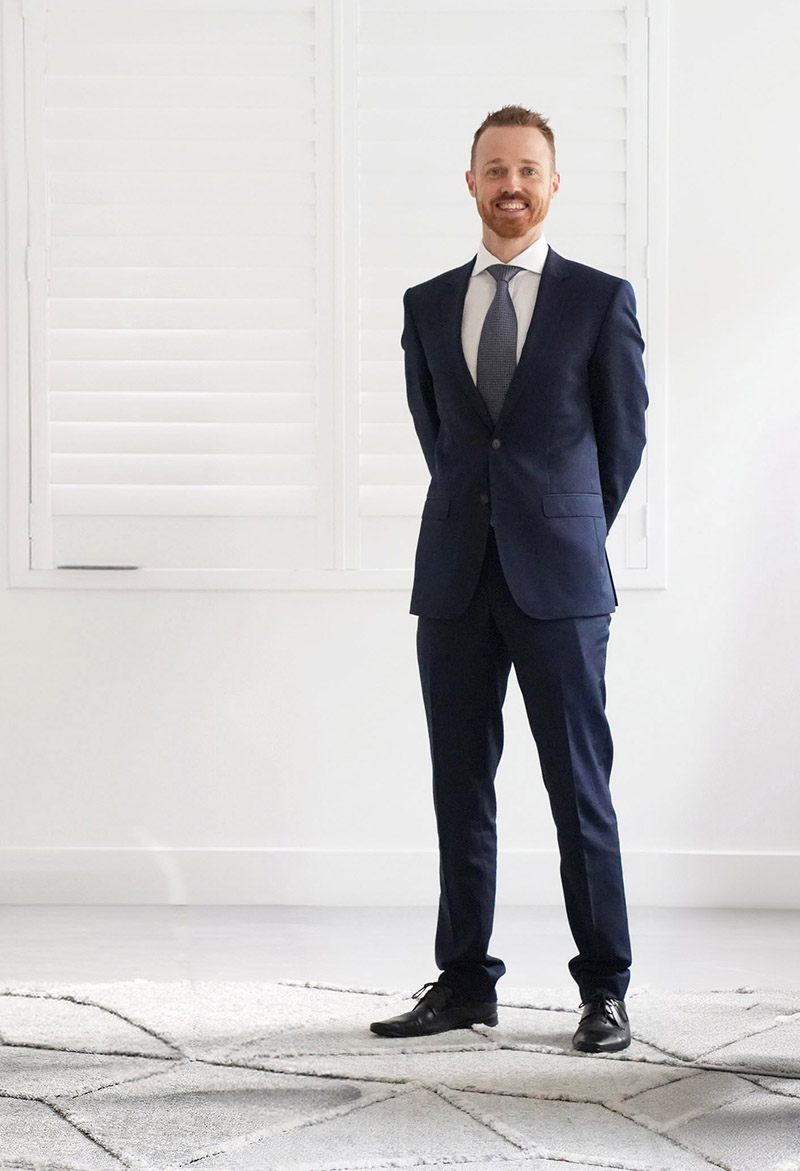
[(401, 1034), (615, 1047)]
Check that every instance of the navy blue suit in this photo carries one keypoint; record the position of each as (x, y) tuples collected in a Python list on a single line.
[(511, 569)]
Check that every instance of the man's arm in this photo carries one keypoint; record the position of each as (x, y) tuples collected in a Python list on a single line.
[(419, 388), (619, 399)]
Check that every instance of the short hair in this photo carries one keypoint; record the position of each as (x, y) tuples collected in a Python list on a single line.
[(515, 116)]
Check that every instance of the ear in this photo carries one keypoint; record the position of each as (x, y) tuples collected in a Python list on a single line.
[(470, 183), (555, 182)]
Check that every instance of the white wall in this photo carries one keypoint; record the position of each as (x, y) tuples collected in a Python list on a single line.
[(262, 747)]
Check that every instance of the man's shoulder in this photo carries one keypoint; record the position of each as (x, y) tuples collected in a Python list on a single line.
[(597, 278), (435, 284)]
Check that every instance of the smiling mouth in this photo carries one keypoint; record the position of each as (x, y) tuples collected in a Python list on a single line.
[(512, 205)]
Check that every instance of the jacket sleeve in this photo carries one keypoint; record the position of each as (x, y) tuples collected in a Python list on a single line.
[(419, 388), (618, 398)]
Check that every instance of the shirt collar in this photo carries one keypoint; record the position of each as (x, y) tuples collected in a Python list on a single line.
[(532, 258)]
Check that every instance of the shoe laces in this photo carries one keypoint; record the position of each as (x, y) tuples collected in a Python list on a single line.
[(432, 987), (605, 1004)]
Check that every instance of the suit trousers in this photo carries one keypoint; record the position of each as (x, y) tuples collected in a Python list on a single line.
[(560, 666)]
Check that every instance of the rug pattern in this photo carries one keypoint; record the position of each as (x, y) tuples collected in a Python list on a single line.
[(287, 1077)]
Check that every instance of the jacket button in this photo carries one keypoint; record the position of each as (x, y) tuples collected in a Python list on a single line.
[(496, 444), (484, 498)]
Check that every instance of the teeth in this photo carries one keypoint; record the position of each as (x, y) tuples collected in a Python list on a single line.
[(511, 206)]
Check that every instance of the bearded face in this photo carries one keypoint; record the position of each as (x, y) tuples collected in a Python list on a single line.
[(513, 181), (512, 213)]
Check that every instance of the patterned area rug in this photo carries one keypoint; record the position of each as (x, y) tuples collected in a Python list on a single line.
[(258, 1077)]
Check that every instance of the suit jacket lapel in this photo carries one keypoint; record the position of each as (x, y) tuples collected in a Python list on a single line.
[(549, 303), (453, 310)]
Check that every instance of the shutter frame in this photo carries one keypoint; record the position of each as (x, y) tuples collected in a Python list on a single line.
[(360, 525)]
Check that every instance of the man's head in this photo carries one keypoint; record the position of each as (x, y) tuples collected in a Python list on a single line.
[(512, 177)]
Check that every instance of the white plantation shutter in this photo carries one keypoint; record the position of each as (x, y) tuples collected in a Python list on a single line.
[(428, 74), (184, 376), (225, 203)]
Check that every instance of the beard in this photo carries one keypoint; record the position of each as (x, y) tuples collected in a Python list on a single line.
[(511, 227)]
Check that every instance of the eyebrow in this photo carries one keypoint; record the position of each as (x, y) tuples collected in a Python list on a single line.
[(527, 162)]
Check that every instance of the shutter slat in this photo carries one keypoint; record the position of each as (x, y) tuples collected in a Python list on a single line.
[(181, 251), (385, 408), (392, 500), (393, 469), (378, 438), (444, 91), (152, 438), (179, 344), (159, 7), (198, 187), (164, 314), (210, 127), (70, 154), (121, 24), (156, 284), (156, 60), (182, 407), (469, 32), (582, 60), (198, 500), (506, 7), (231, 92), (91, 219), (175, 376), (253, 470)]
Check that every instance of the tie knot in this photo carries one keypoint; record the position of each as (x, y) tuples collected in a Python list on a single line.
[(504, 272)]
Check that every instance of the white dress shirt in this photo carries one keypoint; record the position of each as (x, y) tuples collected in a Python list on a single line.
[(524, 288)]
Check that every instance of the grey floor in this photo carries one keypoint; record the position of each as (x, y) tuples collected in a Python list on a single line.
[(378, 947)]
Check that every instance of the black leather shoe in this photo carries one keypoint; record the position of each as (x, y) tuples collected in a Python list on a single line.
[(604, 1026), (436, 1013)]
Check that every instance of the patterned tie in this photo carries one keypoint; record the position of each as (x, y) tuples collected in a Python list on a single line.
[(497, 348)]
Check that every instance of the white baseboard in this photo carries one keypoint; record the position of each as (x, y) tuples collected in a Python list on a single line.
[(158, 876)]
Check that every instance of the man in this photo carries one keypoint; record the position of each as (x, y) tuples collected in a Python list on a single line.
[(532, 424)]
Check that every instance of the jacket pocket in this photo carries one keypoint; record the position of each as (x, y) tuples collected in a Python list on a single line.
[(436, 508), (573, 504)]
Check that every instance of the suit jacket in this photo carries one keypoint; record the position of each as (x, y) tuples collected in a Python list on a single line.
[(553, 471)]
